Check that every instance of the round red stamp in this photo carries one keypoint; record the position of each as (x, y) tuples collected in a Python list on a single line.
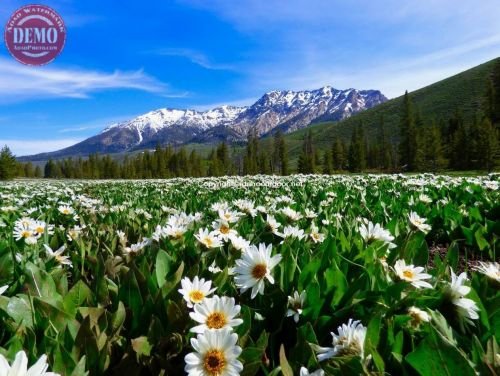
[(35, 34)]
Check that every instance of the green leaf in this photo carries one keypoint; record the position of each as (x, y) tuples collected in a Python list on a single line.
[(40, 283), (162, 267), (308, 274), (285, 367), (172, 281), (80, 368), (142, 346), (19, 308), (79, 295), (436, 356), (482, 243)]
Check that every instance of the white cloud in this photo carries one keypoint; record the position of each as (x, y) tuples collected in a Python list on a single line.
[(20, 82), (28, 147), (193, 56), (388, 45)]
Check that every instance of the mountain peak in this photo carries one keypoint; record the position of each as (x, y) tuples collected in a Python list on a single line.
[(284, 110)]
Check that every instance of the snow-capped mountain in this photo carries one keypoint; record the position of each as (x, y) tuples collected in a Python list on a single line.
[(283, 110)]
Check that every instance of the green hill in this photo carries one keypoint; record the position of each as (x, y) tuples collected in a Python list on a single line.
[(465, 92)]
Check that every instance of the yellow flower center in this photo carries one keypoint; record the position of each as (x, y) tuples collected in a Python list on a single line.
[(196, 296), (408, 274), (224, 229), (39, 230), (26, 234), (227, 215), (259, 271), (208, 241), (216, 320), (214, 362), (65, 211)]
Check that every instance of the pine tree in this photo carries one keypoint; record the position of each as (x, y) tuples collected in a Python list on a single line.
[(493, 96), (434, 154), (280, 155), (283, 156), (250, 161), (307, 158), (338, 154), (327, 163), (407, 146), (8, 164), (459, 156), (264, 163), (488, 156), (363, 148), (38, 172)]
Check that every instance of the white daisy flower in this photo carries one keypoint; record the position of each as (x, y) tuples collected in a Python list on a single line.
[(208, 239), (418, 223), (222, 230), (489, 269), (291, 214), (58, 255), (254, 267), (272, 224), (412, 274), (457, 290), (350, 340), (305, 372), (40, 227), (424, 198), (74, 233), (20, 366), (219, 206), (213, 268), (315, 235), (418, 316), (216, 313), (296, 303), (371, 232), (239, 243), (229, 215), (175, 231), (137, 247), (216, 354), (310, 214), (66, 210), (24, 229), (196, 291), (292, 232)]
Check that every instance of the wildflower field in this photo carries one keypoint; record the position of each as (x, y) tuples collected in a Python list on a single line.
[(299, 275)]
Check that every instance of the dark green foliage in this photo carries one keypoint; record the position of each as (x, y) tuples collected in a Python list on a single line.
[(327, 163), (280, 155), (357, 150), (8, 164), (307, 158), (487, 140)]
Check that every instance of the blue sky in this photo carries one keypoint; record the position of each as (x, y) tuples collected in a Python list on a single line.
[(126, 58)]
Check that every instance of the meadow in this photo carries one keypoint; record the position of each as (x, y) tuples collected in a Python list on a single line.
[(261, 275)]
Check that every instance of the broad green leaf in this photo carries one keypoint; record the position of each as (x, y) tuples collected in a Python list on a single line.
[(436, 356)]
